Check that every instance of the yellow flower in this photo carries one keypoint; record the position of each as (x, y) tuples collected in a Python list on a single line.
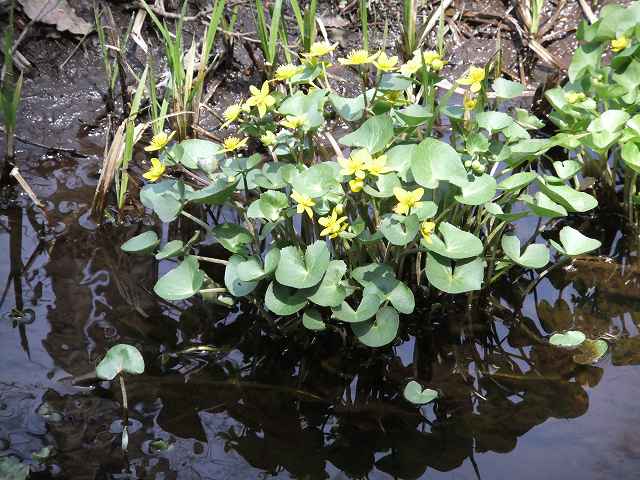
[(355, 164), (231, 114), (574, 97), (320, 49), (411, 67), (438, 64), (474, 77), (260, 99), (286, 72), (469, 103), (407, 200), (620, 44), (304, 203), (156, 171), (268, 139), (232, 144), (294, 122), (384, 63), (376, 166), (358, 57), (426, 229), (332, 224), (356, 185), (159, 141)]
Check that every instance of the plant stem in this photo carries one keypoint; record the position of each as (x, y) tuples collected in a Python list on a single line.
[(212, 260), (196, 220), (213, 290)]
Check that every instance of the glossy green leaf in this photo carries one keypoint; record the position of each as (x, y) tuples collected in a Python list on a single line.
[(399, 160), (477, 190), (493, 121), (283, 300), (119, 359), (252, 269), (367, 308), (497, 211), (182, 282), (466, 276), (317, 180), (373, 134), (573, 243), (380, 331), (141, 244), (517, 181), (434, 161), (331, 291), (232, 237), (197, 154), (350, 109), (310, 105), (164, 198), (399, 229), (567, 169), (534, 256), (414, 393), (631, 156), (542, 206), (414, 115), (586, 58), (303, 271), (268, 206), (215, 194), (507, 89), (270, 177), (455, 243), (381, 279), (232, 281), (385, 184)]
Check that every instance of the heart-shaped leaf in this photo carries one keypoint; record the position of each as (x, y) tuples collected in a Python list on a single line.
[(566, 169), (298, 271), (433, 161), (317, 180), (215, 194), (517, 181), (465, 277), (381, 279), (456, 243), (543, 206), (534, 256), (182, 282), (120, 358), (197, 154), (141, 244), (384, 186), (631, 156), (331, 291), (414, 393), (233, 237), (283, 300), (496, 210), (373, 134), (368, 307), (270, 177), (232, 281), (252, 269), (477, 190), (571, 199), (268, 206), (573, 243), (398, 229), (507, 89), (494, 121), (164, 198), (380, 331), (568, 339)]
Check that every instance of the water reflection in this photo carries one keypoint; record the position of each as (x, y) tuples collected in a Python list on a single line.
[(260, 401)]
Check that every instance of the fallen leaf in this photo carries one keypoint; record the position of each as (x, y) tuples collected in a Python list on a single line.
[(56, 12)]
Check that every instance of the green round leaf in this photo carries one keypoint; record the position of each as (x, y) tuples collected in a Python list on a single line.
[(493, 121), (379, 332), (398, 229), (141, 244), (414, 393), (517, 181), (456, 243), (371, 301), (312, 320), (196, 153), (270, 177), (631, 156), (215, 194), (268, 206), (283, 300), (373, 134), (534, 256), (543, 206), (182, 282), (232, 237), (574, 243), (477, 190), (381, 279), (331, 291), (566, 169), (232, 281), (568, 339), (385, 184), (507, 89), (252, 269), (433, 161), (465, 277), (298, 271), (164, 198), (120, 358), (317, 180), (496, 210)]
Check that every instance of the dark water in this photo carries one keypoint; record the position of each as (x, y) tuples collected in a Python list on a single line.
[(262, 402)]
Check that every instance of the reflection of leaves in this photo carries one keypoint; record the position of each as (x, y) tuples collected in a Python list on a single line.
[(626, 351), (556, 317)]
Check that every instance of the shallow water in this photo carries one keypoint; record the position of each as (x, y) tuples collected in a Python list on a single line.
[(256, 404)]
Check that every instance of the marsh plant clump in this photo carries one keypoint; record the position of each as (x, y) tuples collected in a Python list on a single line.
[(421, 196)]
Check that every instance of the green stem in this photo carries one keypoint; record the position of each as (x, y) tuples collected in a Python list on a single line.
[(212, 260), (196, 220)]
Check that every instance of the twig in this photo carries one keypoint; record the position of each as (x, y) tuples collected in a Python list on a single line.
[(75, 49), (15, 173), (71, 151), (588, 12), (435, 16)]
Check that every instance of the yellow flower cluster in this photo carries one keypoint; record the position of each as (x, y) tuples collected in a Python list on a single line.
[(431, 60), (318, 50), (359, 164), (407, 199), (474, 78), (304, 203), (619, 44)]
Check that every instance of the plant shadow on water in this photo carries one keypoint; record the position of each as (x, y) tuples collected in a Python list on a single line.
[(227, 395)]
